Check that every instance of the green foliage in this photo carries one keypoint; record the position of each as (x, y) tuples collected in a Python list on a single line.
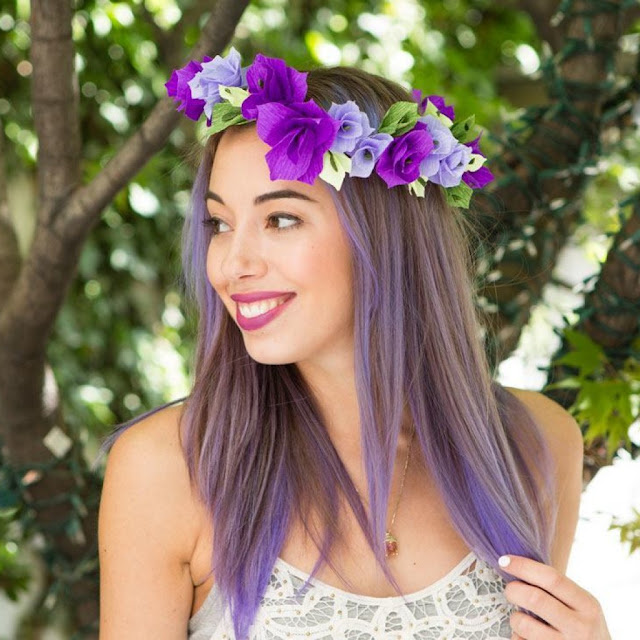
[(14, 573), (608, 400), (629, 531)]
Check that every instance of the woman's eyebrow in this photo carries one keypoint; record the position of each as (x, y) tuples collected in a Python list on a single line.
[(271, 195)]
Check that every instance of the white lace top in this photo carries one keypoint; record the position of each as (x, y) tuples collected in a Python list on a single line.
[(466, 604)]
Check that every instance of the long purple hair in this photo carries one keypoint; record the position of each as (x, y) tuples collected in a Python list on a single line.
[(253, 436)]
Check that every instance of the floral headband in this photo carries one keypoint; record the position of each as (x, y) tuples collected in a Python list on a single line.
[(416, 142)]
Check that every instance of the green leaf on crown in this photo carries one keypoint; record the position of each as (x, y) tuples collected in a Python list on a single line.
[(432, 110), (225, 115), (475, 162), (417, 187), (233, 95), (335, 167), (400, 118), (463, 131), (459, 196)]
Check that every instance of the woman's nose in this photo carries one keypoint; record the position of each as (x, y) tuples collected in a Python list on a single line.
[(244, 255)]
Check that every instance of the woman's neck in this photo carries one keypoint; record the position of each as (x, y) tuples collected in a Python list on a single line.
[(336, 396)]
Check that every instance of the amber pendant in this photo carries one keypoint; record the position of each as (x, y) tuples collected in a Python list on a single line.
[(391, 545)]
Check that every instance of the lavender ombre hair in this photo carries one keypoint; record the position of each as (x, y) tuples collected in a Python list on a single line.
[(254, 438)]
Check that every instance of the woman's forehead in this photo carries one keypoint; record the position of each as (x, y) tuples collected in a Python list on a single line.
[(240, 168)]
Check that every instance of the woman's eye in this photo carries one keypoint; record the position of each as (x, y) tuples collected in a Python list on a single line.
[(213, 224), (294, 221)]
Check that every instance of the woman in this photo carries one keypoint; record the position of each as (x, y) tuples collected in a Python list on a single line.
[(344, 466)]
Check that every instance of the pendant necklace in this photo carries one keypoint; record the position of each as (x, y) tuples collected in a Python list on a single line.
[(390, 541)]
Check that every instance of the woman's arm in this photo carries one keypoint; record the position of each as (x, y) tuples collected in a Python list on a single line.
[(570, 612), (146, 532), (564, 437)]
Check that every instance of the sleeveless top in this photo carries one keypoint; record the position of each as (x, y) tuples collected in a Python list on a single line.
[(467, 603)]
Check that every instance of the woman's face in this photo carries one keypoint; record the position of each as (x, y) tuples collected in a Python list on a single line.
[(282, 238)]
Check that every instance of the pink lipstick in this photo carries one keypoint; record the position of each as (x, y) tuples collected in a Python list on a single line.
[(249, 324)]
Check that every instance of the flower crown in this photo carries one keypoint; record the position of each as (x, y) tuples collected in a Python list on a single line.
[(416, 142)]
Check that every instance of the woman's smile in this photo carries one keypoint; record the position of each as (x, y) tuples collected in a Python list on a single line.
[(257, 314)]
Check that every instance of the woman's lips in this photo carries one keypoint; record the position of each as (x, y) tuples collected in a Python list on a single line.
[(249, 324)]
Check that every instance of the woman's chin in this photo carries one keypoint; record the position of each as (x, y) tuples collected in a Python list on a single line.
[(271, 356)]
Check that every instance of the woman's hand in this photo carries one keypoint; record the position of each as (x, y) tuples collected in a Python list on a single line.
[(571, 612)]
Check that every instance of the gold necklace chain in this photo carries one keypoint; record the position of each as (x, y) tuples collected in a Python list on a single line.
[(390, 541)]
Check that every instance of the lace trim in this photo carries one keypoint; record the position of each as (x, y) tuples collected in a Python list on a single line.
[(467, 603), (392, 601)]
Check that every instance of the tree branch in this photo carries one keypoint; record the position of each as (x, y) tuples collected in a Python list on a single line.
[(86, 204), (27, 319), (55, 104)]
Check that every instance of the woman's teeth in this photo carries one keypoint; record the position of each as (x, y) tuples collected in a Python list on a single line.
[(258, 308)]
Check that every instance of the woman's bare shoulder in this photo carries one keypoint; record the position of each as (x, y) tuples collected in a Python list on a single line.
[(564, 437), (150, 452), (559, 426), (146, 533)]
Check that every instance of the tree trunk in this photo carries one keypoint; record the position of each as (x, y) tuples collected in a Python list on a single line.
[(58, 491), (537, 195)]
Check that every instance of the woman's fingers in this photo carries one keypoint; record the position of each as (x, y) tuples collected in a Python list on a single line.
[(549, 579), (529, 628), (571, 612), (555, 613)]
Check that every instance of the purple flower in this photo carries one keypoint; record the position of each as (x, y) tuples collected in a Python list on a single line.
[(400, 161), (443, 144), (437, 101), (178, 88), (366, 153), (225, 71), (422, 102), (354, 125), (482, 176), (271, 80), (452, 167), (299, 134), (478, 179), (447, 110)]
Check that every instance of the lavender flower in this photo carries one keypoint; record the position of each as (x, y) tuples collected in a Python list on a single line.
[(354, 125), (178, 88), (451, 167), (225, 71), (298, 134), (443, 144), (271, 80), (366, 153), (400, 161)]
